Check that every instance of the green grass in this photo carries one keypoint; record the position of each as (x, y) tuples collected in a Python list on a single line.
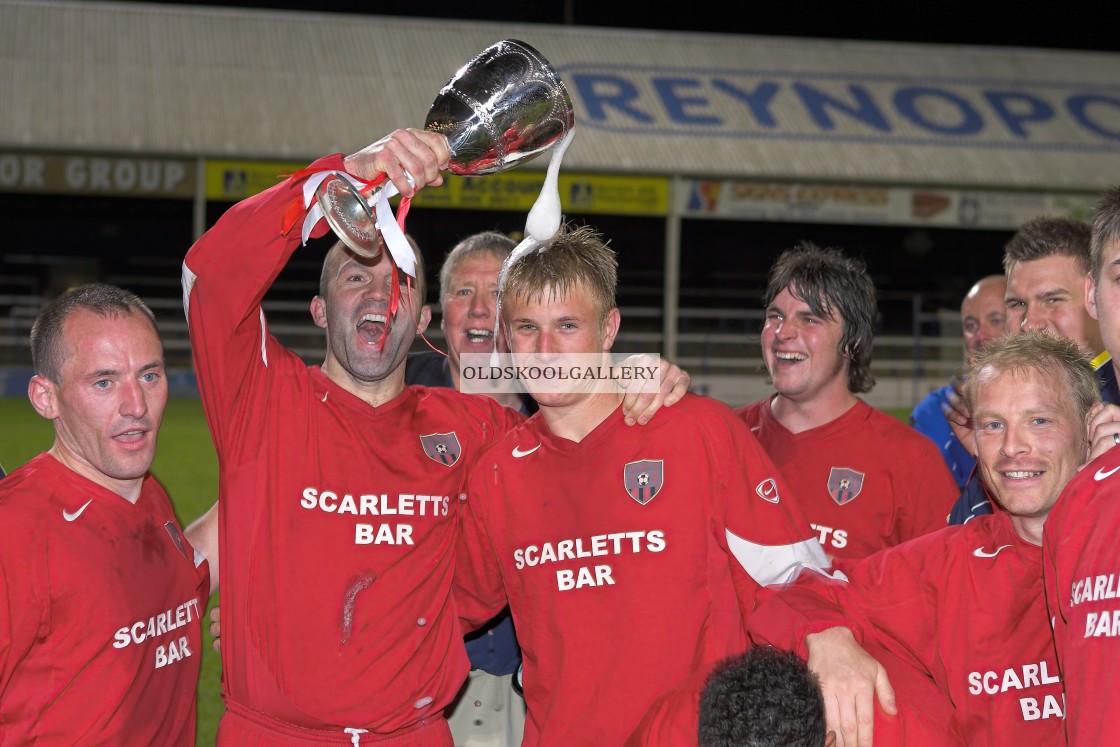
[(187, 467)]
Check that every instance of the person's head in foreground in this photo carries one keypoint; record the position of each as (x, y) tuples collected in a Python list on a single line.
[(99, 375), (762, 698), (1030, 396)]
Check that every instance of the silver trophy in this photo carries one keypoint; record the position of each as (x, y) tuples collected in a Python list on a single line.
[(503, 108)]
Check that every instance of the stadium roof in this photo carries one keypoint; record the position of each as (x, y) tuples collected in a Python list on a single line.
[(207, 82)]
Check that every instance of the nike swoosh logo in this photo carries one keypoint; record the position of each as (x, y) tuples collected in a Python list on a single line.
[(1103, 473), (518, 453), (71, 516), (768, 490), (980, 553)]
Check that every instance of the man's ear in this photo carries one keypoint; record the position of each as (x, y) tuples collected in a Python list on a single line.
[(425, 319), (1091, 296), (319, 312), (610, 328), (830, 739), (44, 396)]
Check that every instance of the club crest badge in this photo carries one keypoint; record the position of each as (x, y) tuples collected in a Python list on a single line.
[(643, 480), (442, 447), (844, 484)]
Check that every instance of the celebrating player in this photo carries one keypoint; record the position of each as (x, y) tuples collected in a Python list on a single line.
[(1031, 396), (338, 484), (629, 557), (100, 594), (864, 480)]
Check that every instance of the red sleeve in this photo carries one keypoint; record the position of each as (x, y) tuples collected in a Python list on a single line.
[(887, 597), (763, 528), (786, 615), (225, 276)]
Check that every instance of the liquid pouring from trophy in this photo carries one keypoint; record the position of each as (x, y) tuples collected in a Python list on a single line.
[(503, 108)]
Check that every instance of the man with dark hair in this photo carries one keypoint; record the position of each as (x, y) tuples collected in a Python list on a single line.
[(864, 480), (100, 594), (1081, 558), (628, 557), (1032, 396), (1046, 262), (763, 698)]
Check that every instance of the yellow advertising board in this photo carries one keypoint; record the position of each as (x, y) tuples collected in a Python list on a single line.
[(230, 181), (516, 191), (579, 193)]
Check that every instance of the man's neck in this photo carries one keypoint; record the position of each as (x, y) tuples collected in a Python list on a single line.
[(575, 421), (797, 416), (127, 489), (1029, 528), (374, 393)]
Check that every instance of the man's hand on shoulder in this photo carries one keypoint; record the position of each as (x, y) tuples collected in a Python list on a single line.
[(1104, 429), (640, 407)]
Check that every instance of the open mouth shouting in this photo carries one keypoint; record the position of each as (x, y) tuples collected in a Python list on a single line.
[(372, 328)]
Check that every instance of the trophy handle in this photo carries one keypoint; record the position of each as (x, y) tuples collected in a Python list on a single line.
[(347, 211)]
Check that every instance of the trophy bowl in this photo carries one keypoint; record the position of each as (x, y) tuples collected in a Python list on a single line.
[(501, 109)]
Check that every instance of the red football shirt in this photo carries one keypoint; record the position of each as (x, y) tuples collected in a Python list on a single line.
[(1082, 568), (965, 605), (338, 519), (630, 559), (865, 481), (100, 633)]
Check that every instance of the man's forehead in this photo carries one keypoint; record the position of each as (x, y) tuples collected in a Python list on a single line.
[(525, 301), (989, 378), (90, 337), (1055, 270)]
